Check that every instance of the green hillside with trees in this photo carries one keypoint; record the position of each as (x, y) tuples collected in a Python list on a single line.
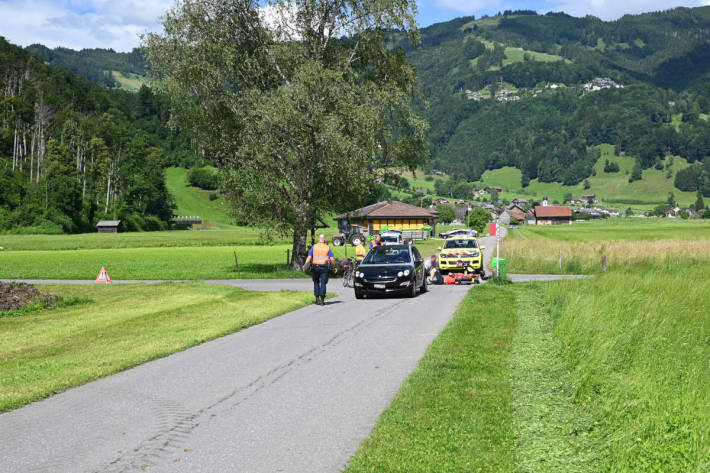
[(73, 152), (555, 104), (509, 91), (103, 66)]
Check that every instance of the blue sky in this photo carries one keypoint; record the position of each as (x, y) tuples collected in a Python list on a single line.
[(117, 23)]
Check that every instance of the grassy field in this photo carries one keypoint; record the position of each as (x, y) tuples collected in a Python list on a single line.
[(117, 327), (195, 201), (636, 229), (236, 236), (626, 243), (149, 263), (637, 342)]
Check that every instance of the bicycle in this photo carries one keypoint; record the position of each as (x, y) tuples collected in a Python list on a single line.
[(349, 269)]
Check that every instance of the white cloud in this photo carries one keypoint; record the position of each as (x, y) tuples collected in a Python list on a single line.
[(468, 6), (613, 9), (80, 24)]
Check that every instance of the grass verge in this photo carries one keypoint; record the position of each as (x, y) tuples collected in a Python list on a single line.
[(48, 351), (453, 414)]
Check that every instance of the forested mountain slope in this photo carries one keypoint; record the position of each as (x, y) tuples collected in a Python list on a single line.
[(73, 152), (510, 90), (97, 65)]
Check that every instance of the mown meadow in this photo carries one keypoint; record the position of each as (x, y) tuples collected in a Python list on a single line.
[(98, 330), (607, 374)]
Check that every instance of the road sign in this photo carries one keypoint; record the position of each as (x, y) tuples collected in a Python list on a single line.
[(103, 276)]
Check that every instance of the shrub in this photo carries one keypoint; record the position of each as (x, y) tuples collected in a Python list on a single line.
[(44, 228), (205, 178), (133, 223), (213, 196), (151, 223)]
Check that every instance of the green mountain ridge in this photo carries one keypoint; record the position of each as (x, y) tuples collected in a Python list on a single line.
[(509, 91), (541, 92)]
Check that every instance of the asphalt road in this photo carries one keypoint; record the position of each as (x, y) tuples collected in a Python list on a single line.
[(295, 394)]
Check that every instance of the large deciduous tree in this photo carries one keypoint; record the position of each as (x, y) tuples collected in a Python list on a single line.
[(302, 103)]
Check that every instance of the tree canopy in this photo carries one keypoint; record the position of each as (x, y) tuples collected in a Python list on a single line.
[(301, 104)]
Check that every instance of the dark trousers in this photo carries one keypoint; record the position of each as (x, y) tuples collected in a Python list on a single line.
[(320, 280)]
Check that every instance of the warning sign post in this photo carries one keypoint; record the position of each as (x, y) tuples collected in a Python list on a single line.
[(103, 276)]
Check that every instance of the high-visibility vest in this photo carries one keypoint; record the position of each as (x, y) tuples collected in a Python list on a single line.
[(320, 253), (360, 252)]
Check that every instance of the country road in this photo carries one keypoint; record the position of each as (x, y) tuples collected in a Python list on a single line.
[(297, 393)]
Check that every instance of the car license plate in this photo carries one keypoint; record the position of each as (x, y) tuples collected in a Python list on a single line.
[(379, 286)]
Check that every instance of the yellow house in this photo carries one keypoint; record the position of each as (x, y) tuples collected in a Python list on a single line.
[(392, 214)]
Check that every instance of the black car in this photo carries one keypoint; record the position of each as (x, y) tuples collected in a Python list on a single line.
[(393, 269)]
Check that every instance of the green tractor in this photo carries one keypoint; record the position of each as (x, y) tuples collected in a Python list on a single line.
[(347, 233)]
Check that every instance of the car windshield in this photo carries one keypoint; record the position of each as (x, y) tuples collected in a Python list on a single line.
[(387, 255), (455, 243), (389, 238)]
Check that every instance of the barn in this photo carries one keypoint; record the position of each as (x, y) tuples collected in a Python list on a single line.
[(553, 215), (109, 226)]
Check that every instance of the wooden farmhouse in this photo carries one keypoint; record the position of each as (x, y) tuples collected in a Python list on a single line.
[(392, 214), (553, 215)]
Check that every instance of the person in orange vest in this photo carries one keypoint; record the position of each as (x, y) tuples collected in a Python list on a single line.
[(377, 242), (320, 255)]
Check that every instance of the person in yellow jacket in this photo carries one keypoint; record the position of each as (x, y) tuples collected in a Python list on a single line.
[(360, 252), (320, 255)]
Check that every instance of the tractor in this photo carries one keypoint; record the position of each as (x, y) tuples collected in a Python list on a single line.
[(348, 233)]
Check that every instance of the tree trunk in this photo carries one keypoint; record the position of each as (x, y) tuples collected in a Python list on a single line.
[(299, 250)]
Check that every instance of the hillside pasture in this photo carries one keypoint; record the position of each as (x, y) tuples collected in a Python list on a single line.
[(513, 55), (129, 81), (193, 201), (612, 188)]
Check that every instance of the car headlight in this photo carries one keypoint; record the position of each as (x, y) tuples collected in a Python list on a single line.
[(400, 274), (475, 252), (358, 274), (406, 272)]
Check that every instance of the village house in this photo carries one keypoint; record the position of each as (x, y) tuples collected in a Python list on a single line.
[(392, 214), (516, 212), (553, 215), (520, 202)]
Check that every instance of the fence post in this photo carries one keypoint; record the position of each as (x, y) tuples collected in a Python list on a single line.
[(604, 264), (560, 259), (236, 263), (288, 257)]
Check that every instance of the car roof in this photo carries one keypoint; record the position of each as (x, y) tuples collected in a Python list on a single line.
[(461, 237)]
